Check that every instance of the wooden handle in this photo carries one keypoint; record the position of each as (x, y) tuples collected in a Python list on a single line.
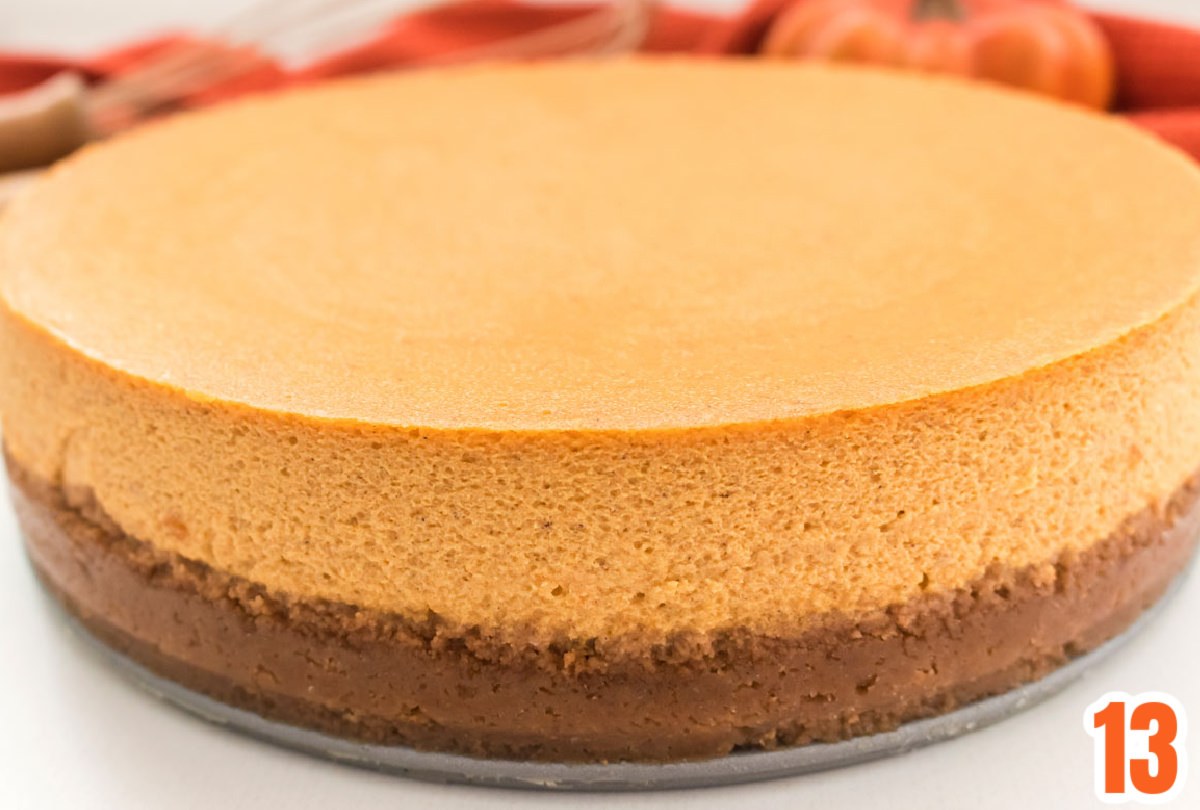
[(39, 126)]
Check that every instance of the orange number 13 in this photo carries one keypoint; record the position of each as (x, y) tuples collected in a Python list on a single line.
[(1151, 777)]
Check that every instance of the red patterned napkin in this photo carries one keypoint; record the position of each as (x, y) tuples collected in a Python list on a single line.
[(1158, 65)]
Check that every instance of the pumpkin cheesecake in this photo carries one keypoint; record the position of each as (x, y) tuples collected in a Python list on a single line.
[(620, 411)]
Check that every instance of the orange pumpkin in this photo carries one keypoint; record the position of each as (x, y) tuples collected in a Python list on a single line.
[(1041, 45)]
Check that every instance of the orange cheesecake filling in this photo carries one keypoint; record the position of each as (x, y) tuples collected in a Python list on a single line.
[(563, 365), (593, 533)]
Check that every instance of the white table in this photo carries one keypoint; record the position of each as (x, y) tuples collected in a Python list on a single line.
[(73, 735)]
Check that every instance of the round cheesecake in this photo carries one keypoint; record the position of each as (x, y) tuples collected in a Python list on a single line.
[(593, 412)]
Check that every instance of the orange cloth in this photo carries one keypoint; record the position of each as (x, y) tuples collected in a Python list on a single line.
[(1158, 65)]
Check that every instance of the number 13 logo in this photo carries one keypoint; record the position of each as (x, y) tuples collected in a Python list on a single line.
[(1139, 742)]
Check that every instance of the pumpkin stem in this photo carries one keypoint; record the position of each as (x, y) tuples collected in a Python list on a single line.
[(938, 10)]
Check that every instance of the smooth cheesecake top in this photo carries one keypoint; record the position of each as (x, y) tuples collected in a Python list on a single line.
[(622, 246)]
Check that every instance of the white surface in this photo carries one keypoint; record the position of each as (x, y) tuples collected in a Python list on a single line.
[(73, 735)]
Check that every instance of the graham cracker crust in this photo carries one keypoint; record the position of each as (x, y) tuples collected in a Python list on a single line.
[(424, 683)]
